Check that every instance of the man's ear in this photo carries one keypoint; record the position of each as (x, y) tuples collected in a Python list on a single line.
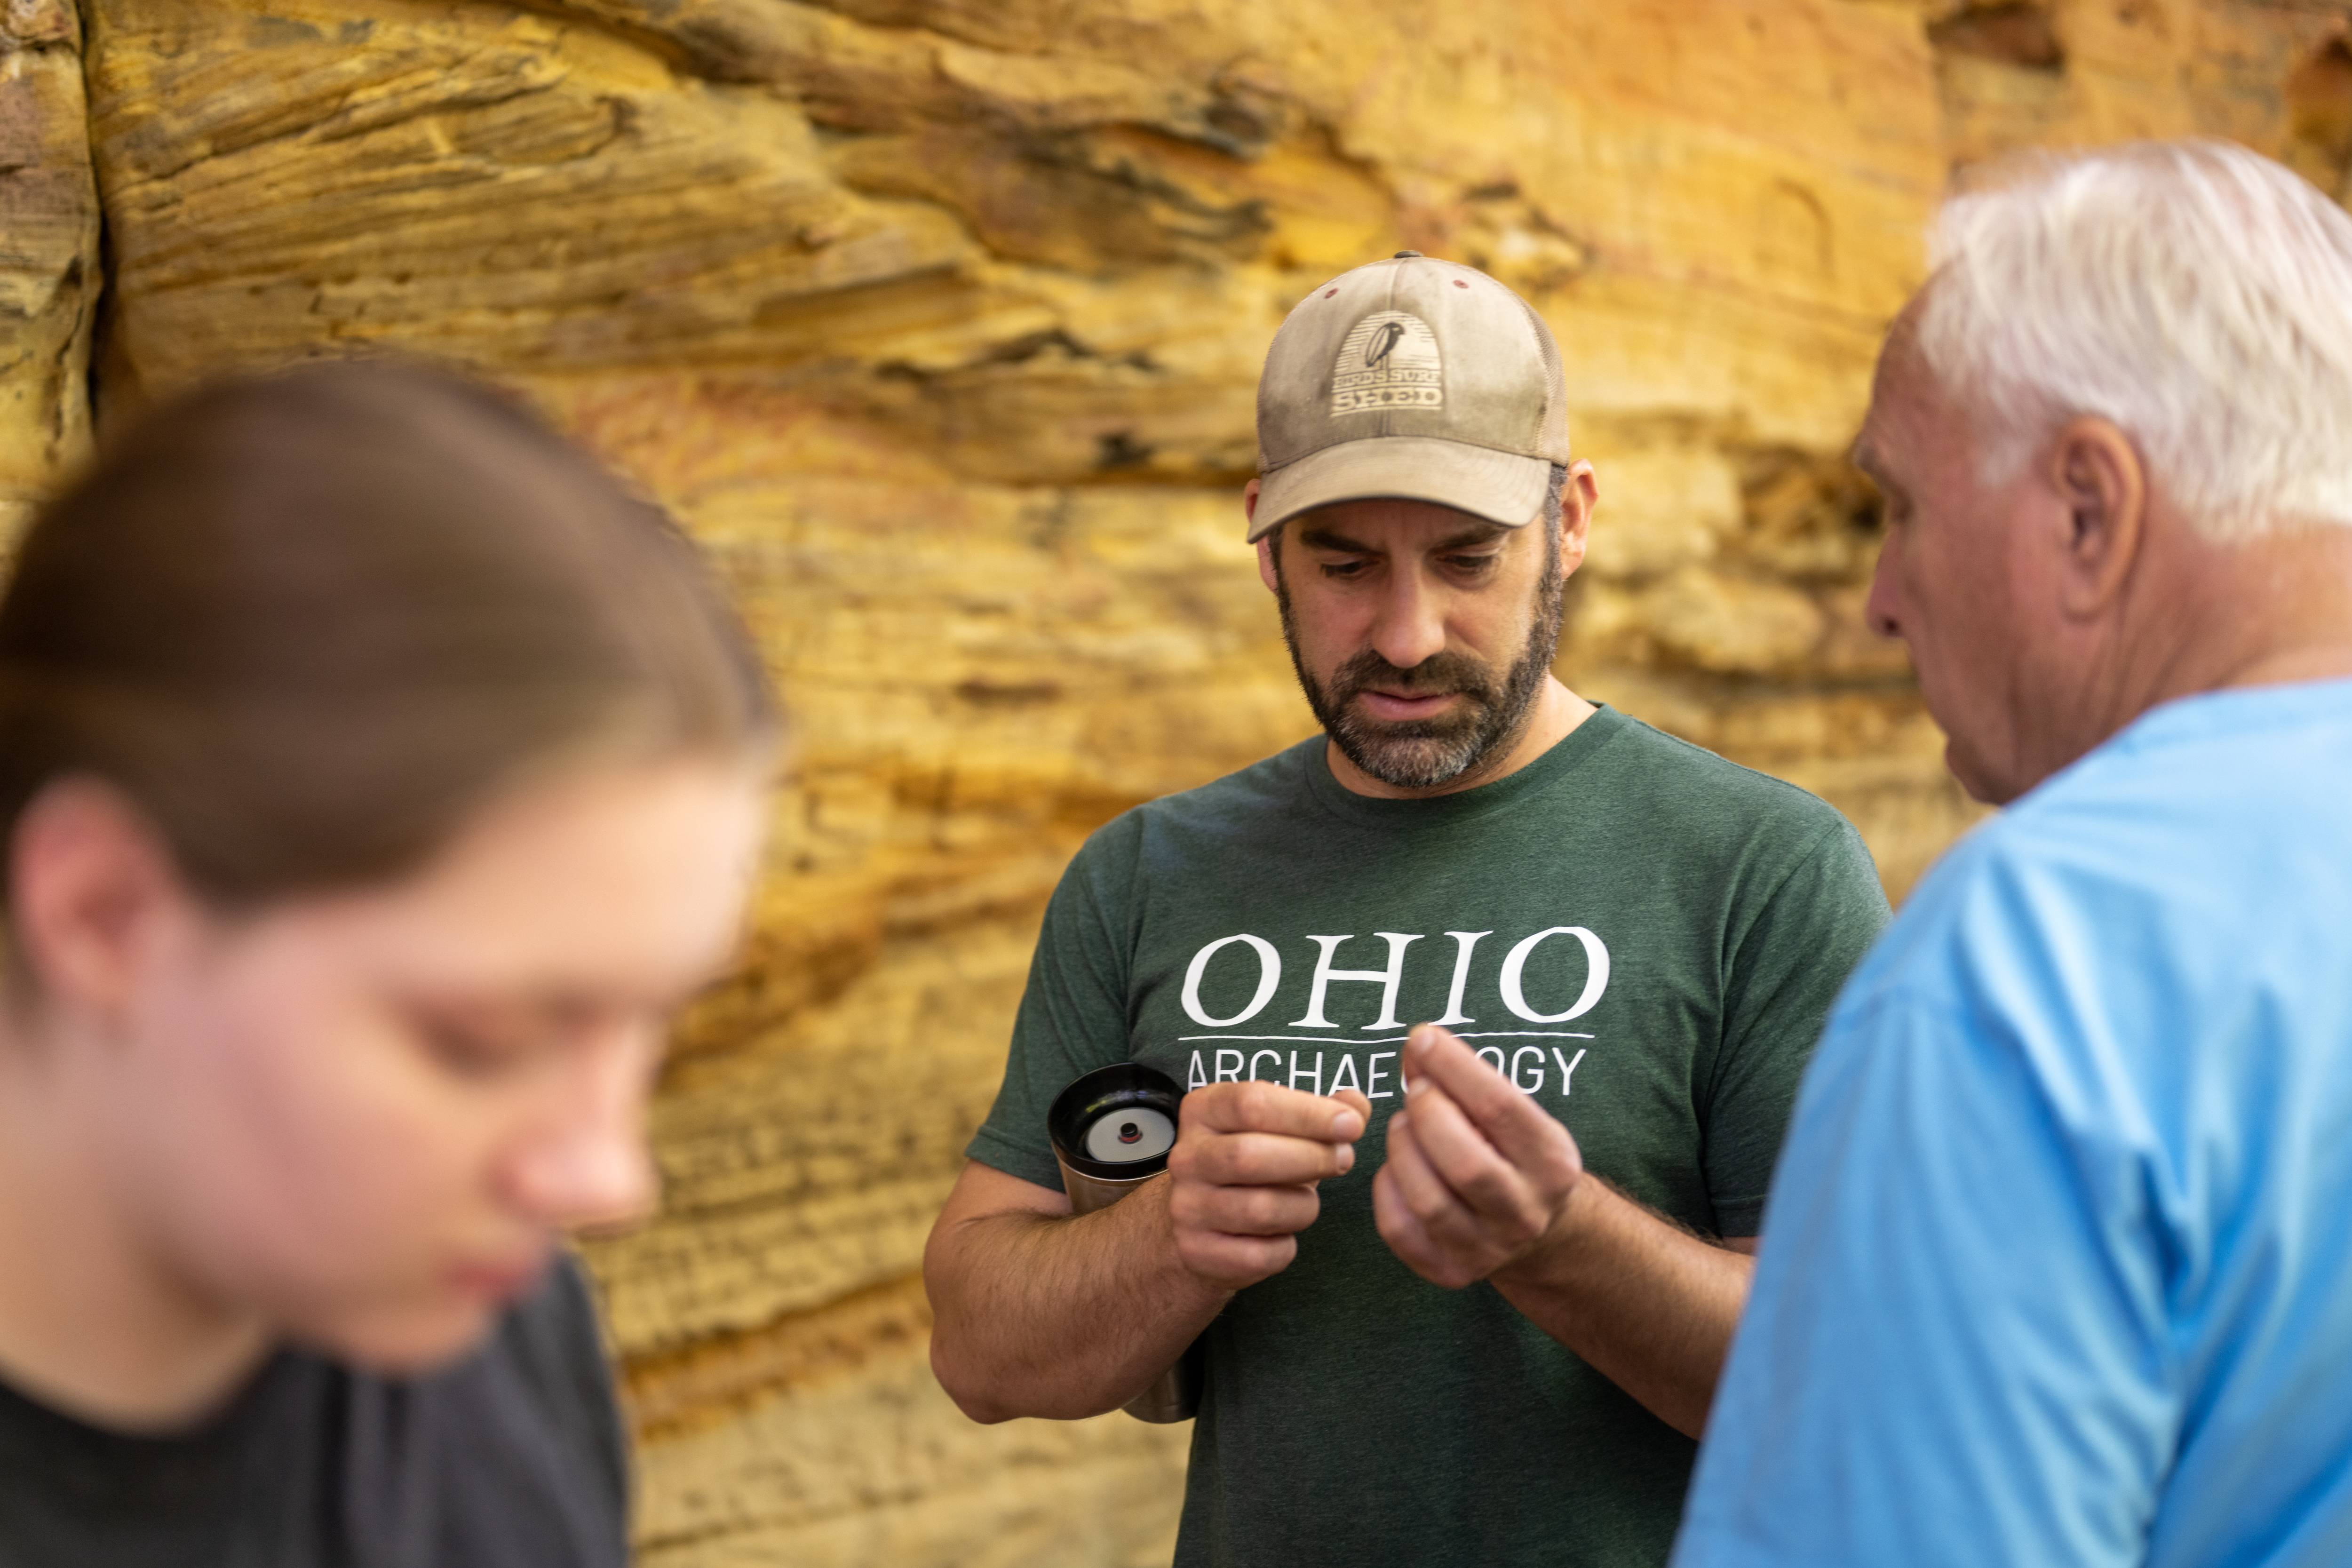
[(90, 882), (1265, 573), (2102, 488), (1577, 499)]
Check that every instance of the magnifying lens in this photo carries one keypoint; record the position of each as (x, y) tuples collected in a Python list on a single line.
[(1111, 1131)]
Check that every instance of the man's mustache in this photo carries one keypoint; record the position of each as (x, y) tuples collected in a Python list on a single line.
[(1438, 675)]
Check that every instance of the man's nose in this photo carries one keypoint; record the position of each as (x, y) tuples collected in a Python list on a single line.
[(1411, 625), (589, 1164), (1879, 610)]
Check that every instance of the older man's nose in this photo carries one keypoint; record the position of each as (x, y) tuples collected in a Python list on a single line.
[(1878, 611)]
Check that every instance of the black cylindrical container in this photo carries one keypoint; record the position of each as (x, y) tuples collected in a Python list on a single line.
[(1111, 1131)]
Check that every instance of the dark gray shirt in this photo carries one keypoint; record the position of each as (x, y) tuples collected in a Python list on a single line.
[(513, 1458)]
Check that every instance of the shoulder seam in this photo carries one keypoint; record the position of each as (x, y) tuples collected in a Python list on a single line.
[(1142, 808), (1776, 783), (1798, 862)]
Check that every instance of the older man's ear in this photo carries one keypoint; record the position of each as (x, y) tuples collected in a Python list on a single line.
[(2101, 487)]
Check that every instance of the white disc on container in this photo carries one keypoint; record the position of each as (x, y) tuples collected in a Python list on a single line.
[(1122, 1137)]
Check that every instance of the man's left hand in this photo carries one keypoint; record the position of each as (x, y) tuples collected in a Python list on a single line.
[(1475, 1173)]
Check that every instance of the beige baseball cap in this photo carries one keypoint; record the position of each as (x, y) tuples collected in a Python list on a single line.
[(1414, 378)]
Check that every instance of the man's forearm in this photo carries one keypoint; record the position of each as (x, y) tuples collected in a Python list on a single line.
[(1058, 1316), (1650, 1306)]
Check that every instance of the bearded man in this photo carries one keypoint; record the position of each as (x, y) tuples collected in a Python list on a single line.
[(1485, 1329)]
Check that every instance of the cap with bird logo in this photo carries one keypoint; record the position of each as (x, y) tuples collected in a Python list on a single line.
[(1412, 378)]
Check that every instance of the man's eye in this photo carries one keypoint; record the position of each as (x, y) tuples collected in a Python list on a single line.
[(1472, 565), (1343, 569)]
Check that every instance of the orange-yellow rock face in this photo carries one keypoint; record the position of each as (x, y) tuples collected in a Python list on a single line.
[(939, 322), (48, 252)]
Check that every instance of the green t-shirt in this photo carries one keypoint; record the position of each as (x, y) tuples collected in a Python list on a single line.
[(1644, 936)]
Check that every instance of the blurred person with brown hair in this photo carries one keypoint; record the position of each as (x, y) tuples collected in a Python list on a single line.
[(1552, 973), (2058, 1265), (377, 777)]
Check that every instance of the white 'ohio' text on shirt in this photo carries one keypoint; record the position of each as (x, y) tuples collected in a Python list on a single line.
[(1527, 1065)]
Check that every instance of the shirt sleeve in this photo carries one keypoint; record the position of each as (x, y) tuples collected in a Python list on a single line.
[(1073, 1014), (1954, 1353), (1798, 945)]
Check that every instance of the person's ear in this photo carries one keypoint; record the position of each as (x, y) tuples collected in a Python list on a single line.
[(2095, 472), (88, 882), (1265, 573), (1577, 499)]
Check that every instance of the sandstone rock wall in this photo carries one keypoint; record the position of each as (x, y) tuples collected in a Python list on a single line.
[(49, 251), (939, 322)]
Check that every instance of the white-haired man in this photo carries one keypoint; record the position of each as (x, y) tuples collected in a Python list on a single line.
[(2058, 1265)]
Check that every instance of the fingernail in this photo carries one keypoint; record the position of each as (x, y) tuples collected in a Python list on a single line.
[(1343, 1126), (1347, 1158)]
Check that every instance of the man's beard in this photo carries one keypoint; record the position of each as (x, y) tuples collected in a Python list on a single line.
[(1425, 753)]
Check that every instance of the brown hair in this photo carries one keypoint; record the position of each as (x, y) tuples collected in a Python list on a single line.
[(308, 621)]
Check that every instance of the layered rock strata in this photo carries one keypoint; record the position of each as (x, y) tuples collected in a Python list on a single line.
[(939, 322)]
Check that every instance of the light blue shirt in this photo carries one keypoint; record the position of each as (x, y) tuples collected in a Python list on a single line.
[(2057, 1269)]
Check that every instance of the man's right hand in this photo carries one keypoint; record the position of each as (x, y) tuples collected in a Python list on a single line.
[(1244, 1171), (1038, 1313)]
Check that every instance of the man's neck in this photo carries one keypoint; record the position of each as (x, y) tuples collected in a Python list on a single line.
[(1551, 716), (2266, 612), (89, 1321)]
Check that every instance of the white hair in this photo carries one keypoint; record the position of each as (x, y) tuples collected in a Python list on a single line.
[(2194, 293)]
